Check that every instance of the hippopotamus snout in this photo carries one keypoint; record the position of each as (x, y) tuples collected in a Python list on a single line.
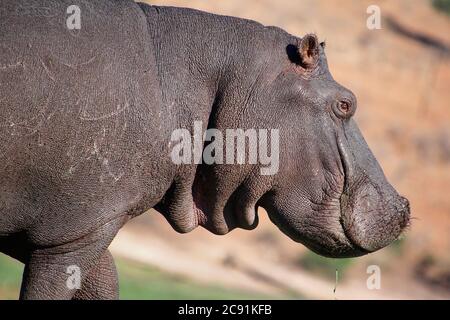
[(373, 214), (372, 219)]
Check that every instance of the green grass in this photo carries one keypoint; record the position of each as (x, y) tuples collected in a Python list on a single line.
[(442, 5), (143, 282), (322, 266), (10, 277), (137, 281)]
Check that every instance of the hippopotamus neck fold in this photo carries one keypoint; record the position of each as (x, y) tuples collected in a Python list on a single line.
[(202, 61)]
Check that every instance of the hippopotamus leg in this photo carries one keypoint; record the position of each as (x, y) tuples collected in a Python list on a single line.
[(48, 271), (101, 283)]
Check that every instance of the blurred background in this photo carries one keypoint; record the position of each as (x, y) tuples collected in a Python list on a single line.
[(401, 76)]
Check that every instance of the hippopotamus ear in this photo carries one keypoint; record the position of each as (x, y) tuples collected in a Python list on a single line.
[(308, 50)]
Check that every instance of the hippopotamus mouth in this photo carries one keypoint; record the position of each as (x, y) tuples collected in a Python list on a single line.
[(372, 213), (359, 214)]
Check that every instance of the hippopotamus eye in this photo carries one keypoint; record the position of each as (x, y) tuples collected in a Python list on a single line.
[(344, 106), (343, 109)]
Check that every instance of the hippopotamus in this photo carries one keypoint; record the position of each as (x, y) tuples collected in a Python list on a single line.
[(87, 116)]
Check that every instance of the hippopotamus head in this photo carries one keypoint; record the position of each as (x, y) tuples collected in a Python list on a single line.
[(329, 192)]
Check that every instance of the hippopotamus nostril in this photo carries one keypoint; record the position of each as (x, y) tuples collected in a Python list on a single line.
[(404, 211), (405, 203)]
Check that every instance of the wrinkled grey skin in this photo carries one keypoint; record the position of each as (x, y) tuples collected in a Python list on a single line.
[(85, 123)]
